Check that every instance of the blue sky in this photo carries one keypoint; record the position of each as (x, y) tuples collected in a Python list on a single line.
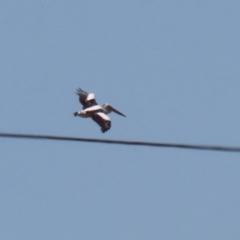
[(172, 67)]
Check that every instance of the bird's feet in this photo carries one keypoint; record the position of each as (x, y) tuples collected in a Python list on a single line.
[(75, 114)]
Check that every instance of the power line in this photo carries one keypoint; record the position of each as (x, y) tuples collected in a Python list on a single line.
[(122, 142)]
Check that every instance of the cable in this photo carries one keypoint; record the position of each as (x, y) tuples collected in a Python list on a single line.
[(122, 142)]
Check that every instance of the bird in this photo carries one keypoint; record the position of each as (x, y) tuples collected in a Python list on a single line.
[(91, 109)]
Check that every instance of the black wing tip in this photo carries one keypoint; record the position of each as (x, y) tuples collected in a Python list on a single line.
[(107, 127), (104, 130), (79, 90)]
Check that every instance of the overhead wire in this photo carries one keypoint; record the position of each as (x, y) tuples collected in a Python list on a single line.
[(122, 142)]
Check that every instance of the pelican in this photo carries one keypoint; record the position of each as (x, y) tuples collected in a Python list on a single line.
[(92, 110)]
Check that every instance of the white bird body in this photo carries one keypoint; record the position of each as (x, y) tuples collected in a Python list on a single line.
[(87, 112), (95, 111), (103, 116)]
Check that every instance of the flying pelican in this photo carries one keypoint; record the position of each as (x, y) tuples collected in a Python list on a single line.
[(92, 110)]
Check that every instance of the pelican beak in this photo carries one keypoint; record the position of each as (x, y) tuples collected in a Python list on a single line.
[(116, 111)]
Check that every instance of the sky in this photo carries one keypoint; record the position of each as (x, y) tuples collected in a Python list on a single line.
[(172, 67)]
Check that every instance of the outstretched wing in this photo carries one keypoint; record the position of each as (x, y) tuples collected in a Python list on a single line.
[(102, 120), (86, 99)]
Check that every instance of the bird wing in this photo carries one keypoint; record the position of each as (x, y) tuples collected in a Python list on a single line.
[(115, 110), (86, 99), (102, 120)]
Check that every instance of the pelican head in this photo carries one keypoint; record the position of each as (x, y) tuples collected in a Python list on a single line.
[(106, 108)]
